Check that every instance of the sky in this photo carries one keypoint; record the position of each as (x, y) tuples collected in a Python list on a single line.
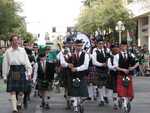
[(42, 15)]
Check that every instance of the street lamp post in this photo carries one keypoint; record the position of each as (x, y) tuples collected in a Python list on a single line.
[(120, 27)]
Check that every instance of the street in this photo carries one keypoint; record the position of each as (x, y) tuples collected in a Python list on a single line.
[(140, 104)]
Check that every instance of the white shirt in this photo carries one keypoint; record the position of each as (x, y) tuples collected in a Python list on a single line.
[(85, 65), (16, 57), (109, 63), (61, 58)]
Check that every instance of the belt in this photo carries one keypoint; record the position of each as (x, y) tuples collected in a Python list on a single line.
[(17, 68)]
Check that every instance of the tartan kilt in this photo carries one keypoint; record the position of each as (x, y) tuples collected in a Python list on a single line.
[(21, 85), (101, 79), (121, 89), (112, 81), (91, 76), (29, 86), (81, 91)]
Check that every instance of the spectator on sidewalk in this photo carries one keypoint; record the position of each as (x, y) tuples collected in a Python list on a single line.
[(1, 61)]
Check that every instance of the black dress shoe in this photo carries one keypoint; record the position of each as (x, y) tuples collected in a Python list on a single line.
[(101, 103), (88, 98), (42, 104), (115, 107), (14, 111), (25, 105), (47, 106), (68, 105), (106, 100), (19, 107)]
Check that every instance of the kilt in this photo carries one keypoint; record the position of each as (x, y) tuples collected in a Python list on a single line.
[(29, 86), (16, 80), (101, 78), (81, 91), (91, 76), (67, 80), (112, 81), (121, 89)]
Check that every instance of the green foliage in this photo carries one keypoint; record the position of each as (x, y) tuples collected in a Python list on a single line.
[(29, 38), (11, 22), (88, 3), (103, 14)]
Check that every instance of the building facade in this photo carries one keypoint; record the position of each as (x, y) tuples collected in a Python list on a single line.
[(141, 13)]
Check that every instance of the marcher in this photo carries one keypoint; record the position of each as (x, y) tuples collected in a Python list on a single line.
[(31, 57), (99, 59), (126, 63), (77, 65), (80, 61), (41, 75), (64, 69), (51, 64), (91, 76), (16, 71), (112, 81)]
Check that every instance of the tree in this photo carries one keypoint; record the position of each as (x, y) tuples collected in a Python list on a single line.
[(88, 2), (103, 15), (10, 21), (29, 38)]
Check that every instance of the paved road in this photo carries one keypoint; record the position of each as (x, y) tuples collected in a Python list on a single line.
[(141, 103)]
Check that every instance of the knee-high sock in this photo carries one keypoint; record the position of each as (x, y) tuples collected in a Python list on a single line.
[(115, 98), (104, 91), (90, 90), (101, 95), (75, 101), (20, 99), (45, 96), (109, 94), (95, 91), (14, 102), (125, 101)]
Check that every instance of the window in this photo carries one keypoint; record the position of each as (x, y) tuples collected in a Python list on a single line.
[(144, 21)]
